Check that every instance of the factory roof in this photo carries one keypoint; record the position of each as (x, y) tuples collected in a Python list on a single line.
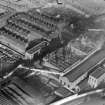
[(98, 72), (85, 67)]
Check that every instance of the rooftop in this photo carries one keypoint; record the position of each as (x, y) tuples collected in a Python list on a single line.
[(98, 72), (88, 64), (84, 86), (63, 92)]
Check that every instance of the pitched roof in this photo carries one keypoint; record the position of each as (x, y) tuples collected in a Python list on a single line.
[(98, 72), (85, 66)]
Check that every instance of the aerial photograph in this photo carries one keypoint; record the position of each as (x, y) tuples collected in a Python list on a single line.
[(52, 52)]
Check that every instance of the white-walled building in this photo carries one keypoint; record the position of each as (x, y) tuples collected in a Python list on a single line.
[(96, 77), (74, 76)]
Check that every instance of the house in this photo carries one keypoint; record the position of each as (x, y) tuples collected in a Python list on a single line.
[(96, 77)]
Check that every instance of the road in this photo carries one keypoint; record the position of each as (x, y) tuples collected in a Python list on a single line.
[(89, 100), (83, 99)]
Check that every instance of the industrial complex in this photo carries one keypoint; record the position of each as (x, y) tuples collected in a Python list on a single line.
[(51, 53)]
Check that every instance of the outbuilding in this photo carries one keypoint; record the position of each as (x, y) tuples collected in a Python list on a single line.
[(96, 77)]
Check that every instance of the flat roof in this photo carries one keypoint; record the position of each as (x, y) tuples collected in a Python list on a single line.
[(63, 91), (85, 66), (84, 86), (36, 47), (98, 72)]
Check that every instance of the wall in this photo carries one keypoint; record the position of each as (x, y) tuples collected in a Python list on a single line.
[(65, 82), (71, 85), (78, 80), (102, 78), (92, 82)]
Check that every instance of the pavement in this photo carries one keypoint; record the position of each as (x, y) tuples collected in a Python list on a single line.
[(91, 99), (94, 100)]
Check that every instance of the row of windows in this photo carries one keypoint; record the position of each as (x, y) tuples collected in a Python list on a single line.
[(75, 89), (92, 81), (65, 84)]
